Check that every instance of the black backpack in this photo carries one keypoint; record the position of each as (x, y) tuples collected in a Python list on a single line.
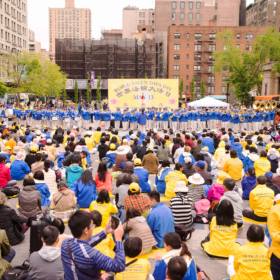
[(184, 231), (17, 273), (10, 191)]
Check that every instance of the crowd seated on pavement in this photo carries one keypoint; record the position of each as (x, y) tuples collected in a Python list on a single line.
[(195, 175)]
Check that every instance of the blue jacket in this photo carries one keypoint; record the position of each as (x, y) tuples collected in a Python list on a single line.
[(85, 193), (88, 155), (97, 115), (249, 161), (73, 173), (182, 158), (118, 116), (29, 137), (143, 175), (165, 116), (60, 159), (141, 139), (111, 155), (142, 119), (160, 179), (161, 266), (19, 169), (44, 192), (160, 221), (7, 156), (209, 142), (247, 184), (239, 148)]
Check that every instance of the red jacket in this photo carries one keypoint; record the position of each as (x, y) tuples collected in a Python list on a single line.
[(5, 175), (189, 142)]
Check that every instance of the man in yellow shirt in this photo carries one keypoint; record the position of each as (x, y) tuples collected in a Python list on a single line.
[(261, 200), (273, 224), (11, 143), (233, 166)]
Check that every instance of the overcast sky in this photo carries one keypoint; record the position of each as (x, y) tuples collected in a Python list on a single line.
[(106, 14)]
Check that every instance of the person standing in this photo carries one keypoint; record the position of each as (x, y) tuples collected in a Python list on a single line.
[(142, 121)]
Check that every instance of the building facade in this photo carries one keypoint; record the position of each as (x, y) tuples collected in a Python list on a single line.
[(264, 13), (190, 55), (14, 29), (132, 17), (31, 35), (271, 81), (113, 33), (35, 47), (68, 22)]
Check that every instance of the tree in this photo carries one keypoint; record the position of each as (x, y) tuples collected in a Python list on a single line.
[(202, 88), (76, 92), (3, 89), (246, 67), (181, 89), (192, 89), (98, 94), (122, 76), (88, 89), (64, 96), (146, 76)]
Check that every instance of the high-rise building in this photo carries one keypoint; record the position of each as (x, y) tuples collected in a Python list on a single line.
[(242, 14), (13, 22), (31, 35), (34, 46), (264, 13), (68, 22), (133, 17)]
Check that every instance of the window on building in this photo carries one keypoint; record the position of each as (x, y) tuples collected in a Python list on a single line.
[(188, 56), (144, 15), (190, 16), (140, 22), (197, 79), (188, 35), (187, 77), (176, 47), (274, 4), (197, 48), (212, 48), (212, 37), (144, 22), (176, 77), (197, 36), (177, 35), (174, 5), (197, 57), (182, 16), (187, 88), (211, 79), (274, 21), (238, 36), (211, 89), (210, 68), (216, 6), (182, 5), (274, 13), (249, 47), (224, 89), (197, 16), (225, 78), (173, 16), (190, 5), (176, 67), (196, 68), (249, 36), (211, 57), (238, 46), (187, 67), (140, 14), (196, 89), (198, 4), (188, 46), (176, 57)]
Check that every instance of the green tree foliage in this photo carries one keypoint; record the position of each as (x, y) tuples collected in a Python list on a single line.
[(192, 89), (181, 89), (122, 76), (3, 89), (146, 76), (246, 67), (76, 92), (98, 93), (88, 89), (202, 88)]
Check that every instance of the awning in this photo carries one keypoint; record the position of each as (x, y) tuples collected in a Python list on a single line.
[(222, 97), (266, 97)]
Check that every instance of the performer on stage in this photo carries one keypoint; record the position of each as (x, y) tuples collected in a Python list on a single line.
[(150, 118), (117, 117), (97, 117), (142, 120), (133, 119), (165, 118)]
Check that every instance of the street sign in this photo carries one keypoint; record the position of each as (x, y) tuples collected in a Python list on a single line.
[(198, 96)]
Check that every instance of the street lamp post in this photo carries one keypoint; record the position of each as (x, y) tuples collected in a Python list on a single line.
[(227, 94)]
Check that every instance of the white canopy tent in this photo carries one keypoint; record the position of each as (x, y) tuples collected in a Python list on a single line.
[(208, 102)]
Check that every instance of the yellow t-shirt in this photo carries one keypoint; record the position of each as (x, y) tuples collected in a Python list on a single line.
[(233, 167), (97, 136), (90, 144), (138, 270), (222, 240), (171, 179), (64, 140), (105, 209)]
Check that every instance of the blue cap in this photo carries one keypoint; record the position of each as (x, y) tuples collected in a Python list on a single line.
[(200, 164), (268, 175), (165, 108), (118, 108), (98, 108)]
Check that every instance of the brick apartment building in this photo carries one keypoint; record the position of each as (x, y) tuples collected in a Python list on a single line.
[(190, 54), (264, 13)]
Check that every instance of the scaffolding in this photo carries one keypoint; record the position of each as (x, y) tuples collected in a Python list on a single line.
[(111, 58)]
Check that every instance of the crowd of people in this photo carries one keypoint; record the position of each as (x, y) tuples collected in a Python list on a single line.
[(117, 216)]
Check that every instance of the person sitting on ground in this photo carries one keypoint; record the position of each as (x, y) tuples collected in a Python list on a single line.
[(38, 165), (85, 189), (42, 187), (160, 183), (10, 222), (136, 226), (106, 246), (160, 219), (174, 247), (150, 161), (7, 153), (103, 178), (102, 149), (64, 199), (235, 200), (129, 170), (200, 169), (104, 206), (29, 200), (143, 176), (223, 232), (129, 157), (89, 141), (5, 175), (11, 143), (46, 263), (74, 172), (219, 150), (261, 200), (247, 258), (176, 269), (172, 178), (217, 190), (50, 176), (111, 154), (179, 151), (13, 155), (274, 160), (122, 190), (251, 158), (248, 182), (207, 159), (269, 175), (181, 205), (185, 154), (142, 150), (19, 168), (7, 253), (139, 268), (234, 166), (80, 248), (120, 158), (262, 165), (276, 178), (50, 148), (58, 223), (163, 152), (135, 199), (188, 168), (223, 157), (30, 158), (196, 191)]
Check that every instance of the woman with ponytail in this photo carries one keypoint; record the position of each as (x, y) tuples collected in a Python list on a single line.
[(163, 151), (174, 247), (50, 177), (249, 182)]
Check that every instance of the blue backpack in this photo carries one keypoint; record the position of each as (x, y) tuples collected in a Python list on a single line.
[(107, 161)]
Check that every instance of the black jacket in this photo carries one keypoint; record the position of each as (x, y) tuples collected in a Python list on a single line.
[(12, 224), (206, 176), (141, 152), (274, 187), (68, 159), (274, 160), (208, 161), (30, 159), (188, 172), (102, 149)]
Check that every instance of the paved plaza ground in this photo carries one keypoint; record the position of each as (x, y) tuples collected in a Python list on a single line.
[(216, 269)]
